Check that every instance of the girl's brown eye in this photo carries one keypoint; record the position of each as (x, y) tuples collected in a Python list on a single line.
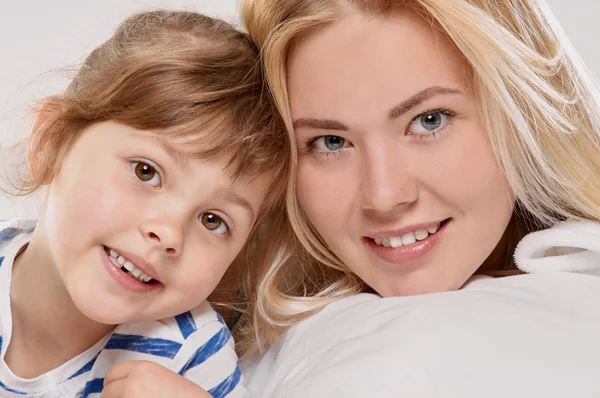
[(214, 223), (146, 173)]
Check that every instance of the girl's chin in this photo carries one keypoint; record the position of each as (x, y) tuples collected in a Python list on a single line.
[(102, 312)]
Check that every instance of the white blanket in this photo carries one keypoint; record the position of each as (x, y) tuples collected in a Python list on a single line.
[(534, 335)]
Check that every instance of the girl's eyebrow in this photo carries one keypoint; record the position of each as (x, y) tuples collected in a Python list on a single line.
[(177, 155), (239, 200)]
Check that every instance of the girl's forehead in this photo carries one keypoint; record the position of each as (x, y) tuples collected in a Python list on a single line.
[(185, 146)]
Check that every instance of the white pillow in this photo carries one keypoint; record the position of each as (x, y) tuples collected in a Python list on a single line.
[(524, 336)]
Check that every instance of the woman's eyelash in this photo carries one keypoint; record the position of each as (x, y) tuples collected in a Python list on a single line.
[(443, 111), (450, 115), (308, 147)]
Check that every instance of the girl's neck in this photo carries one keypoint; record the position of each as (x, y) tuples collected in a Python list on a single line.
[(47, 328)]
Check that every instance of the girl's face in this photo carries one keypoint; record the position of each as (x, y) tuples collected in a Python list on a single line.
[(129, 199), (395, 169)]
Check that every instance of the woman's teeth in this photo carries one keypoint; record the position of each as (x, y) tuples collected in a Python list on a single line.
[(127, 266), (406, 239)]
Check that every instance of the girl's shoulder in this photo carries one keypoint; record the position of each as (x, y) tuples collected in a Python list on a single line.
[(9, 229)]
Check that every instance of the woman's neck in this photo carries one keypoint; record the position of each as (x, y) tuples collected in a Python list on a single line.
[(47, 328), (501, 260)]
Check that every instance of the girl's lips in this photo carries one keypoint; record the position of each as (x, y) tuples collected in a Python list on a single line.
[(406, 254), (126, 281)]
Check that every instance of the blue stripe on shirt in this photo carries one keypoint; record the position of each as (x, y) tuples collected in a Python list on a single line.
[(1, 260), (186, 324), (93, 387), (86, 368), (145, 345), (220, 318), (7, 388), (227, 385), (210, 348), (9, 233)]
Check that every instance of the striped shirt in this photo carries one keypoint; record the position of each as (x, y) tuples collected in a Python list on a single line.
[(195, 344)]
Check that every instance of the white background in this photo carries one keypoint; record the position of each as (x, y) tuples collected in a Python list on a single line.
[(39, 37)]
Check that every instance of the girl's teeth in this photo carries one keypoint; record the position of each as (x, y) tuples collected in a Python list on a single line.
[(432, 230), (128, 266), (114, 261), (121, 262), (406, 239)]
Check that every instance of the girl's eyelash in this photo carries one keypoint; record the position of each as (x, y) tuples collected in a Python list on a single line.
[(152, 164), (227, 226)]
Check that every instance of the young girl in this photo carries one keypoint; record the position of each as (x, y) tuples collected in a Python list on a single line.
[(162, 168)]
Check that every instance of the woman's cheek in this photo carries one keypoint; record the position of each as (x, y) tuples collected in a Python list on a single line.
[(324, 193)]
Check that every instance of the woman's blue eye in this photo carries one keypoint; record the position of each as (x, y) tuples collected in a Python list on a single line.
[(146, 173), (214, 223), (431, 121), (428, 123), (329, 143)]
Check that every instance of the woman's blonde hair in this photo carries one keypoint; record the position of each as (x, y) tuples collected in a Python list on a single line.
[(190, 77), (538, 102)]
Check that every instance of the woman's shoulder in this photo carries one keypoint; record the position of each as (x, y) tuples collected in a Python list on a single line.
[(515, 326)]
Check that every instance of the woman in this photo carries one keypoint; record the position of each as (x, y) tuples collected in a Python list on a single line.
[(431, 136)]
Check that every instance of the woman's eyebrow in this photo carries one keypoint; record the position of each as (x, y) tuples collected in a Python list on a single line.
[(320, 124), (395, 112), (420, 97)]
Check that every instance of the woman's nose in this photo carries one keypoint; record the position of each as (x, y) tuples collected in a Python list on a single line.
[(387, 179)]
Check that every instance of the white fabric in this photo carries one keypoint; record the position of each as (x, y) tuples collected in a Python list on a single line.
[(569, 246), (535, 335), (196, 344)]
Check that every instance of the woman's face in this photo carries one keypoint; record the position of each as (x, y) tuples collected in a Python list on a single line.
[(395, 168)]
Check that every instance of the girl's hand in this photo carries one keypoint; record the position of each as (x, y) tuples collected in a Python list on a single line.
[(143, 379)]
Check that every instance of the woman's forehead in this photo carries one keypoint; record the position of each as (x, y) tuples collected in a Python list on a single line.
[(385, 59)]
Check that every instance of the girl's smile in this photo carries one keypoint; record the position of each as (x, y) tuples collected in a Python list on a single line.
[(143, 230)]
